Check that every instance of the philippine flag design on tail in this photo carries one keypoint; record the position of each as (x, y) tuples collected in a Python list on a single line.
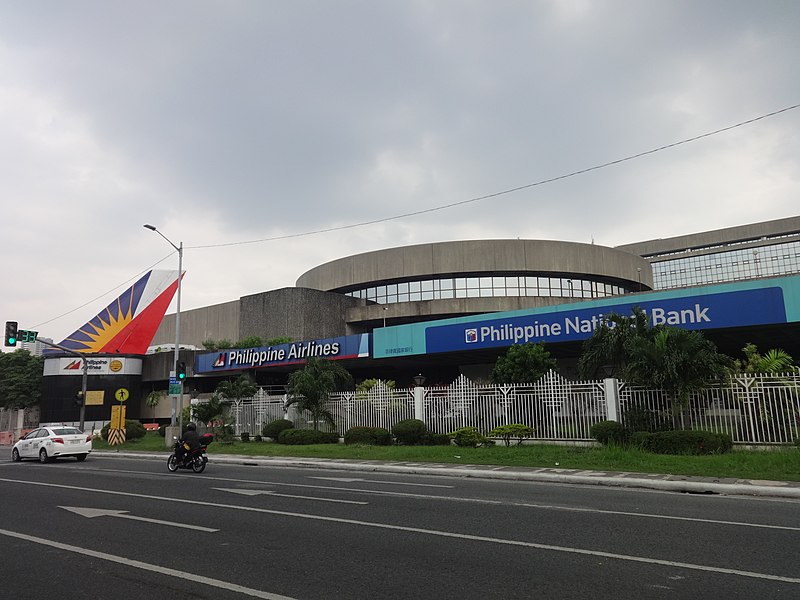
[(220, 362), (128, 324)]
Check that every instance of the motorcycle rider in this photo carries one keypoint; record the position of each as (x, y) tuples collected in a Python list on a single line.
[(190, 438)]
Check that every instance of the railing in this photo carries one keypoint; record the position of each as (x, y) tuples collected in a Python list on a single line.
[(753, 409)]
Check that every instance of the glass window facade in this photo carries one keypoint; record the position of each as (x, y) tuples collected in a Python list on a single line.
[(733, 265), (484, 287)]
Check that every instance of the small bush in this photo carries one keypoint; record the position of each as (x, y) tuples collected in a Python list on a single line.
[(273, 428), (640, 439), (245, 436), (258, 438), (409, 432), (608, 432), (638, 418), (371, 436), (436, 439), (134, 430), (470, 437), (297, 437), (517, 431), (689, 442)]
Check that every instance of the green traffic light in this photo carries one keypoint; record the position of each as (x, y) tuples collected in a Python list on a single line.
[(12, 341)]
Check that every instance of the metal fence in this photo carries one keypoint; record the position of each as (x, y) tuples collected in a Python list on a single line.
[(753, 409)]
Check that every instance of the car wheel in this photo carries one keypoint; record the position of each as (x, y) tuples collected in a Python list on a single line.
[(81, 457), (15, 455), (43, 458)]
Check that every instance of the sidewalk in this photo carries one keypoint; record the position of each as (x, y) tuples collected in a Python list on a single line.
[(672, 483)]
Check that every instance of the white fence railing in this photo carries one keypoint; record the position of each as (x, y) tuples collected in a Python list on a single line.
[(753, 409)]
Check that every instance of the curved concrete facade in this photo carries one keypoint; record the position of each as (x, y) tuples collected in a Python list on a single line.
[(478, 259)]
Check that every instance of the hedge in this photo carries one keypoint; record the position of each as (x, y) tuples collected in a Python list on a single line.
[(410, 432), (274, 428), (296, 437), (371, 436), (689, 442)]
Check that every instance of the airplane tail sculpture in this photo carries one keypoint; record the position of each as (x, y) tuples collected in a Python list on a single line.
[(128, 324)]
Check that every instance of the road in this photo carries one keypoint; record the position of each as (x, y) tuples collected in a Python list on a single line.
[(125, 528)]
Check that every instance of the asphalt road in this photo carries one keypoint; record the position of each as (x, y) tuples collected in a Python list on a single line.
[(124, 528)]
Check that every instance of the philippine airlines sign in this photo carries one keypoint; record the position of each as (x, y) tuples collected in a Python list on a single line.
[(351, 346)]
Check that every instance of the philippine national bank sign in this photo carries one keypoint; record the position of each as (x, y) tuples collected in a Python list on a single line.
[(576, 322)]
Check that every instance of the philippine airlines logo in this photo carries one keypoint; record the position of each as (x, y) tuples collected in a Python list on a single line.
[(220, 362), (73, 366), (470, 336)]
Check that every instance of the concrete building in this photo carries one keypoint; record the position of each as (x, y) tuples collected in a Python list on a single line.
[(452, 307)]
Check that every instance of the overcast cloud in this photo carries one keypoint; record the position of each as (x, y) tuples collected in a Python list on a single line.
[(231, 121)]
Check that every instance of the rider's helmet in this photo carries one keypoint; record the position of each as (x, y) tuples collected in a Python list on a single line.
[(191, 427)]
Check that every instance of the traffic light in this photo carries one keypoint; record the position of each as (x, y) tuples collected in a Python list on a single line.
[(79, 399), (11, 333), (180, 371)]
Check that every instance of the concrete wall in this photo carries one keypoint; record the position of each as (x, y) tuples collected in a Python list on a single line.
[(217, 322), (297, 313), (744, 233), (479, 256)]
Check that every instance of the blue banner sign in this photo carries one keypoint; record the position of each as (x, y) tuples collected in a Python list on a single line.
[(338, 348), (713, 311)]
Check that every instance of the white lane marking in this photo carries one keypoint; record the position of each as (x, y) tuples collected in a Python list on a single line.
[(91, 513), (129, 562), (354, 479), (434, 532), (244, 492), (600, 511)]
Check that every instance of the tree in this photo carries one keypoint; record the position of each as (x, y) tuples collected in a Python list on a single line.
[(523, 363), (234, 390), (209, 411), (775, 361), (20, 379), (153, 399), (609, 345), (310, 388), (676, 360)]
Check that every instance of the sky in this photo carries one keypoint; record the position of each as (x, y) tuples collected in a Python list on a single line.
[(272, 136)]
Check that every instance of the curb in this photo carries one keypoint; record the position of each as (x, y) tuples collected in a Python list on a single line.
[(671, 483)]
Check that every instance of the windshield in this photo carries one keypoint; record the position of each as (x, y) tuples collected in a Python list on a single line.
[(67, 431)]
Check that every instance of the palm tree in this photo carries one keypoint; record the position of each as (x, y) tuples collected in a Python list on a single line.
[(609, 346), (152, 400), (234, 390), (676, 360), (310, 388), (775, 361)]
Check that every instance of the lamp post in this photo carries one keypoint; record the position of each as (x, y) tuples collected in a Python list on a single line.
[(177, 321)]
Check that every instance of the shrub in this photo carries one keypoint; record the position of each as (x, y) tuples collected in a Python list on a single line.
[(470, 437), (640, 439), (517, 431), (273, 428), (608, 432), (245, 436), (296, 437), (258, 438), (371, 436), (134, 430), (638, 418), (689, 442), (436, 439), (409, 431)]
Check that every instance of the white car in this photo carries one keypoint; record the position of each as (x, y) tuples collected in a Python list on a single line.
[(48, 443)]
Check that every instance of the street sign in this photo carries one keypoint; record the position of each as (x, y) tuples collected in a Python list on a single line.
[(121, 394)]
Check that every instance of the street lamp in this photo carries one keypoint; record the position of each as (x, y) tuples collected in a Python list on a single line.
[(177, 319)]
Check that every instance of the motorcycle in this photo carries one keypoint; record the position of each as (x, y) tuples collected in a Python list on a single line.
[(192, 459)]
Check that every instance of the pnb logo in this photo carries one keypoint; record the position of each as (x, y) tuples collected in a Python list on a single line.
[(470, 336), (220, 362)]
